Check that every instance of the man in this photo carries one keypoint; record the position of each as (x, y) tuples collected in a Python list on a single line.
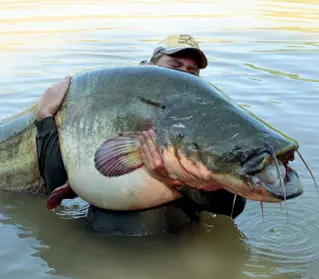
[(180, 53)]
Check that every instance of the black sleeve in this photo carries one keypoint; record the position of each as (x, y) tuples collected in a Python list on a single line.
[(49, 155), (217, 202)]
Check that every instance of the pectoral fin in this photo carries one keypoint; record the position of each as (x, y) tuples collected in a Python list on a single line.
[(119, 155)]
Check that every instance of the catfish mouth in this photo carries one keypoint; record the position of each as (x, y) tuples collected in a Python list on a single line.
[(274, 174)]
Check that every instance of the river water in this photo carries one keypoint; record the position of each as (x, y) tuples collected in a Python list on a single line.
[(262, 53)]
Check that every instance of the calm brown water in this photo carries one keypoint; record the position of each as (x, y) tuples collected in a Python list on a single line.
[(264, 54)]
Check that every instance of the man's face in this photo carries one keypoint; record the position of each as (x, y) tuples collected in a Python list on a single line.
[(179, 62)]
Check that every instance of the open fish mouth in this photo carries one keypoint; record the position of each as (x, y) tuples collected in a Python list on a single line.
[(284, 185), (274, 173)]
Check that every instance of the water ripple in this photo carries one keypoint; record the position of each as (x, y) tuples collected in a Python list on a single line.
[(285, 243), (72, 209)]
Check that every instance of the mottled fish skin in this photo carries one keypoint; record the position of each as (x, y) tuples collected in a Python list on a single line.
[(103, 103), (19, 170)]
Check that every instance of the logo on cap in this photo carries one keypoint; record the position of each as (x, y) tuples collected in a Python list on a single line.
[(186, 39)]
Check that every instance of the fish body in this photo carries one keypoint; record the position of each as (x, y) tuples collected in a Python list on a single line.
[(206, 141)]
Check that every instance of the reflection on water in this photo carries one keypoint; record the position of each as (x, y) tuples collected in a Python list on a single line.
[(64, 247), (262, 53)]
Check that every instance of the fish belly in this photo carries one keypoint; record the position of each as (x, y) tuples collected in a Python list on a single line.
[(134, 191)]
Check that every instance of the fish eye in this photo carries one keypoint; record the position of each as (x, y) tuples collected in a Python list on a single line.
[(194, 146)]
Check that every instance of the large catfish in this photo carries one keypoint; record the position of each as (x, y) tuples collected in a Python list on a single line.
[(206, 141)]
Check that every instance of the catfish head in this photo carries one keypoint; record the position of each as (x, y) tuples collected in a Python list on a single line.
[(210, 143)]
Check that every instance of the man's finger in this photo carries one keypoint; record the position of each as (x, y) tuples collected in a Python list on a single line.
[(146, 154), (149, 142), (61, 84), (65, 86), (142, 155), (152, 136), (155, 151), (154, 154)]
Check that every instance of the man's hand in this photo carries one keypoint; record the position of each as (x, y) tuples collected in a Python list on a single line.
[(52, 99), (197, 176), (152, 158)]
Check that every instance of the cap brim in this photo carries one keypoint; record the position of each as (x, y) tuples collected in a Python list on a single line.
[(203, 58)]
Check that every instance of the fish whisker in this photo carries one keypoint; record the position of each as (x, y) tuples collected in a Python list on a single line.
[(273, 154), (314, 180), (232, 210), (262, 211), (280, 205)]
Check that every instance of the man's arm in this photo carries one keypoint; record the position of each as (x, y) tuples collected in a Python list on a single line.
[(49, 155), (217, 202)]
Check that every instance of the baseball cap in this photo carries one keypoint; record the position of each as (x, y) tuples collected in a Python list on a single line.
[(176, 43)]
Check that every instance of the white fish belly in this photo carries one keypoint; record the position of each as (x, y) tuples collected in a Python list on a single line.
[(133, 191)]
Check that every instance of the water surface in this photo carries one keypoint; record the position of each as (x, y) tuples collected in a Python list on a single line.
[(264, 54)]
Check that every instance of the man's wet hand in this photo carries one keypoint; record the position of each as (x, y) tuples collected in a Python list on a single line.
[(153, 160), (52, 98)]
